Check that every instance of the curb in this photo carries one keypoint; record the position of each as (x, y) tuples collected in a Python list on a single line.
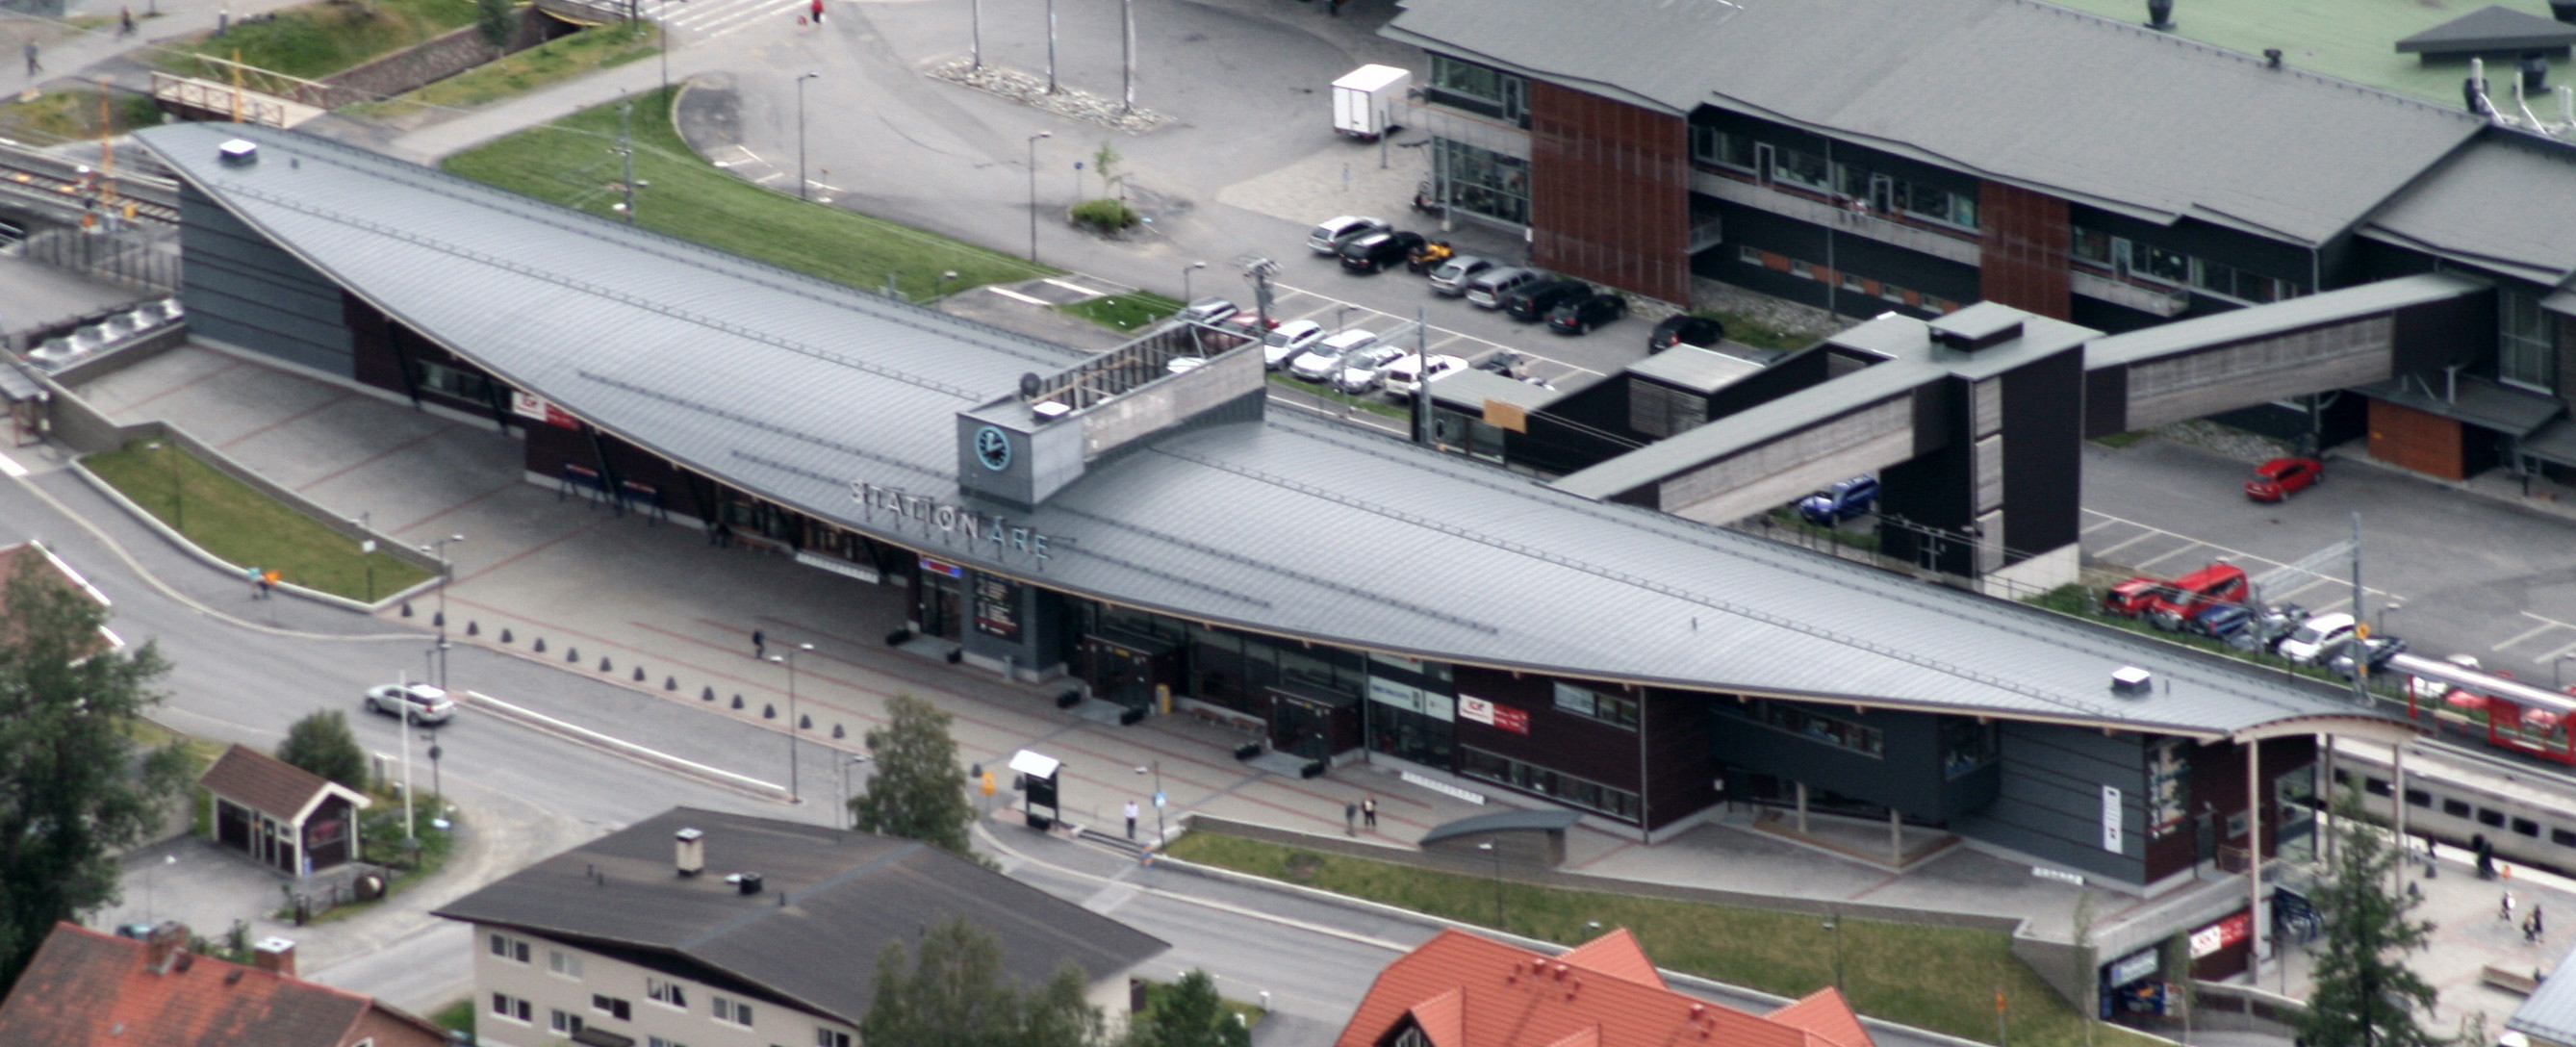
[(81, 469), (578, 734)]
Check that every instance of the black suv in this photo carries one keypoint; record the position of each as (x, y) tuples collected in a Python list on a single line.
[(1376, 251), (1581, 315), (1685, 329), (1530, 302)]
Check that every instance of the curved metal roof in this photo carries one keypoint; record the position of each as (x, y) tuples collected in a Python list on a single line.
[(798, 389)]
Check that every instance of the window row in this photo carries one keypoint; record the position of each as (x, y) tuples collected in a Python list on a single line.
[(1555, 785), (1876, 191), (2466, 810), (1508, 92), (1612, 709), (1850, 282), (2129, 258), (1818, 727)]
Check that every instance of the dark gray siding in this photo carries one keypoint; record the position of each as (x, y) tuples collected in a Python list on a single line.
[(242, 290), (1907, 776), (2050, 802)]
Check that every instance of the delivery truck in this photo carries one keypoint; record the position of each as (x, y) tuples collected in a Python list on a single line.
[(1364, 100)]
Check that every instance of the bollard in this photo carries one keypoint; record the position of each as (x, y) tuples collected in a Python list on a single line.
[(707, 695), (406, 609), (768, 711), (737, 701), (572, 654), (670, 683), (473, 628), (804, 723), (438, 618), (639, 674), (603, 664), (836, 731), (541, 645), (505, 634)]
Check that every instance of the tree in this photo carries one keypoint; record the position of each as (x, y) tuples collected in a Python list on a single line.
[(70, 794), (497, 18), (323, 744), (2366, 995), (918, 792), (2182, 994), (1189, 1013), (1108, 164), (954, 995)]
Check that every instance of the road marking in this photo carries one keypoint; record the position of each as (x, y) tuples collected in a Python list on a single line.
[(2561, 652), (2106, 522), (1031, 299), (2133, 540), (2524, 635), (2153, 560), (2312, 583), (771, 176), (10, 466), (1075, 288)]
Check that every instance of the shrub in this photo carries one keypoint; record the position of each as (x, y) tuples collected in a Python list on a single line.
[(1104, 214)]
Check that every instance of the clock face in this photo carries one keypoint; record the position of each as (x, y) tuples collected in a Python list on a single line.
[(993, 448)]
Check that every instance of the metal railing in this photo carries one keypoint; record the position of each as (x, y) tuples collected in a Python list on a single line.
[(140, 256)]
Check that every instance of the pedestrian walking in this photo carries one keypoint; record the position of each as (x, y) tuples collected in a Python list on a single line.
[(2505, 911), (817, 7), (759, 645), (33, 66), (252, 575), (1368, 812), (1350, 819), (1131, 819), (268, 581), (125, 21)]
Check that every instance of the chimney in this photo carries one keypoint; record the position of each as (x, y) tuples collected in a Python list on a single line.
[(2160, 15), (274, 955), (692, 847), (164, 946)]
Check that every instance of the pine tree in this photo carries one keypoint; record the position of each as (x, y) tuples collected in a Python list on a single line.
[(68, 795), (322, 743), (918, 791), (1189, 1014), (2366, 995)]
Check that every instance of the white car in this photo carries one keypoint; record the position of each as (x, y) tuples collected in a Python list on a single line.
[(1324, 361), (1400, 378), (1286, 341), (1328, 238), (2317, 638), (428, 704), (1364, 370)]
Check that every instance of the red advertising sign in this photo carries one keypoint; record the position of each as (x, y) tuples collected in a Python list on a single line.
[(2222, 934), (1511, 719), (1486, 712), (537, 409)]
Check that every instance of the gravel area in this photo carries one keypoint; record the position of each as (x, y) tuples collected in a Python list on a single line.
[(1029, 89), (2225, 441)]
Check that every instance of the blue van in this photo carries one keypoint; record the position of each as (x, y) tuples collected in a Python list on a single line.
[(1857, 496)]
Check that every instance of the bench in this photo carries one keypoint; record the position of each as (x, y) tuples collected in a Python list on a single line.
[(2512, 981)]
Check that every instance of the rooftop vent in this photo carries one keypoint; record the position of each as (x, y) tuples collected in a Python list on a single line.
[(747, 883), (2160, 15), (240, 151), (2563, 10), (1979, 326), (2272, 57), (2131, 680), (692, 851)]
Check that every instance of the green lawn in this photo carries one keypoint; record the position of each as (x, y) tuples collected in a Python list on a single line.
[(573, 162), (62, 115), (1125, 312), (2352, 39), (1942, 979), (1371, 404), (555, 60), (241, 525), (319, 39)]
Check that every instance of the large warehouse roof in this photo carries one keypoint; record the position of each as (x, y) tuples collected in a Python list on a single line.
[(797, 389), (2019, 91)]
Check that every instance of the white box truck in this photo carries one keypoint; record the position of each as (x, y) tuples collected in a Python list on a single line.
[(1364, 100)]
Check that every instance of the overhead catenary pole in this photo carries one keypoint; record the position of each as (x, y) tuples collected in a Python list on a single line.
[(800, 134), (1050, 46), (1127, 51), (1033, 188), (975, 41), (1421, 374), (2360, 614), (403, 702), (626, 150)]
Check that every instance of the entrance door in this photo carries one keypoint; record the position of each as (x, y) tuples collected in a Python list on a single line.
[(1763, 155), (1125, 671), (1300, 726), (943, 606), (1882, 194)]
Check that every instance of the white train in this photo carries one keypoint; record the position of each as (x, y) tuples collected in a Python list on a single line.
[(2528, 815)]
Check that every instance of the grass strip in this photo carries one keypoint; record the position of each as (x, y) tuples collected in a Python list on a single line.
[(1125, 312), (556, 60), (318, 39), (1939, 978), (1370, 404), (242, 525), (574, 162)]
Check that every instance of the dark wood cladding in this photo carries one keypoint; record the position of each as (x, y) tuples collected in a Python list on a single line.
[(2023, 262), (1609, 192), (1680, 767), (379, 347)]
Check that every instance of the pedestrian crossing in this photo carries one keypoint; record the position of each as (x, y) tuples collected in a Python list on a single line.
[(702, 20)]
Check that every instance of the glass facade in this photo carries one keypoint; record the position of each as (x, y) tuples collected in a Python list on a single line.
[(1555, 785), (2129, 258), (1482, 181), (2524, 342), (1615, 710), (1818, 727)]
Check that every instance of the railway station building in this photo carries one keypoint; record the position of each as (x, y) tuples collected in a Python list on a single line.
[(1151, 534), (1861, 156)]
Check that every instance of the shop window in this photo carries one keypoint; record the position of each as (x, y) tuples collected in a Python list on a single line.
[(1564, 788), (1408, 735), (1818, 727), (1612, 709), (1482, 181), (449, 381), (1967, 745), (2092, 245), (1724, 149), (2524, 342)]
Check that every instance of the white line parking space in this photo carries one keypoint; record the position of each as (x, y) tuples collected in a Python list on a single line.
[(2105, 536), (1294, 303)]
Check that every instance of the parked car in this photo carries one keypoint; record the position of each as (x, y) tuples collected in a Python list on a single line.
[(1531, 302), (2374, 651), (2269, 627), (1364, 371), (2282, 477), (428, 704), (1854, 497), (1287, 340), (2317, 637), (1581, 315), (2223, 621), (1373, 252), (2131, 598), (1321, 363), (1506, 363), (1329, 237), (1400, 379), (1451, 278), (1208, 310), (2217, 583), (1685, 329), (1432, 254), (1487, 289)]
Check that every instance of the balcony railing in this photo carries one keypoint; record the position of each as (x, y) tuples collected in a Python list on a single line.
[(1946, 246), (2157, 300)]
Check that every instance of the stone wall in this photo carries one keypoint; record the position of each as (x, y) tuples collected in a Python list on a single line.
[(441, 57)]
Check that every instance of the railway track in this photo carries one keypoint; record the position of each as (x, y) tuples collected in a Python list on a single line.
[(69, 187)]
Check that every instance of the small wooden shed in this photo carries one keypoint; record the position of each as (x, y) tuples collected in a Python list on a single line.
[(282, 816)]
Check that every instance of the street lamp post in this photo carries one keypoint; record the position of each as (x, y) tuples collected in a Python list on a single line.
[(1185, 279), (1033, 193), (789, 657), (1161, 836), (1834, 926), (1488, 848), (446, 569), (847, 799), (800, 134)]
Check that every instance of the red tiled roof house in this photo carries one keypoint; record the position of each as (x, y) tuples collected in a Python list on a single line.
[(89, 989)]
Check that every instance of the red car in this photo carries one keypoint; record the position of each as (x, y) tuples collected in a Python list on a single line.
[(2282, 477), (2217, 583)]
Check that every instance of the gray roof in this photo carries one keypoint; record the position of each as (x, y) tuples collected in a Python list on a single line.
[(2238, 325), (2019, 91), (1694, 368), (846, 895), (1472, 387), (1914, 360), (2491, 28), (796, 389), (1548, 819), (2550, 1013), (2477, 401), (2502, 203)]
